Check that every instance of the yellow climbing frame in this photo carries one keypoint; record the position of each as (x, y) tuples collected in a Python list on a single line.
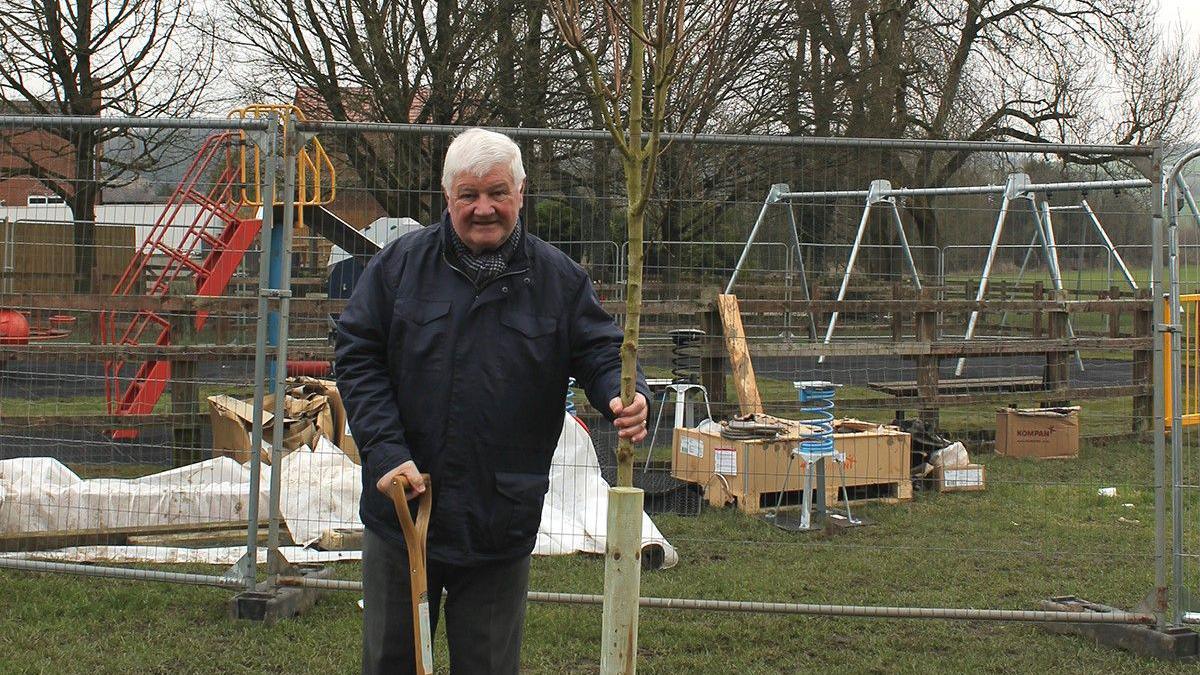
[(316, 182)]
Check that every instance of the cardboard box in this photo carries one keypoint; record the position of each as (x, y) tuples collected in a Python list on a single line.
[(312, 408), (1041, 433), (754, 472), (969, 478), (340, 423), (232, 420)]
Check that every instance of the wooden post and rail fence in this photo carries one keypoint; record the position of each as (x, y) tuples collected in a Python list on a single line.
[(922, 329)]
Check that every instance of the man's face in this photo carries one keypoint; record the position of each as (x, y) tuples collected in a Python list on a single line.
[(484, 209)]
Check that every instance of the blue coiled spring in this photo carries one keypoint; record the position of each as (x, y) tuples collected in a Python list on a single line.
[(816, 401), (571, 396)]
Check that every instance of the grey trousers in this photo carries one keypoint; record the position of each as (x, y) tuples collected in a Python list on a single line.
[(485, 612)]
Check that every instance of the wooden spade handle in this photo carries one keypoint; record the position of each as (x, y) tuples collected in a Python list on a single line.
[(414, 539)]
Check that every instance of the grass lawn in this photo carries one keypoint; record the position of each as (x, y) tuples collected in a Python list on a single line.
[(1039, 530)]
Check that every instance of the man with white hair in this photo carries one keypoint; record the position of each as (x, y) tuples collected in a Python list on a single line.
[(453, 357)]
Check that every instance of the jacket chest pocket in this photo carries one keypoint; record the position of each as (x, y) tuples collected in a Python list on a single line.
[(527, 339), (422, 327)]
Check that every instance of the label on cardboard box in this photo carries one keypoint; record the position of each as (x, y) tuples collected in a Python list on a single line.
[(962, 477), (725, 461), (691, 446)]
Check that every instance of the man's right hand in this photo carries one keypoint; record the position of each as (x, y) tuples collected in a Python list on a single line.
[(411, 474)]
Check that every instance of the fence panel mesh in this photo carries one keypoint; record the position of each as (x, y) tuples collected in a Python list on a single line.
[(882, 355)]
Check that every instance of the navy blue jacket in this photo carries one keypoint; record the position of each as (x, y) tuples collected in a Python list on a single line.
[(470, 384)]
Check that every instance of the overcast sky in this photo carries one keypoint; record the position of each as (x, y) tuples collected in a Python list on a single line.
[(1185, 13), (1187, 10)]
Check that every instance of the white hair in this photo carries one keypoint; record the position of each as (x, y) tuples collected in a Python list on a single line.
[(478, 151)]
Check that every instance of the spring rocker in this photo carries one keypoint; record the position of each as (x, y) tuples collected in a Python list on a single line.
[(816, 402)]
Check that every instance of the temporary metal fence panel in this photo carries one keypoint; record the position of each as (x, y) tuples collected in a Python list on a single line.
[(724, 509), (710, 192), (124, 338), (1182, 380)]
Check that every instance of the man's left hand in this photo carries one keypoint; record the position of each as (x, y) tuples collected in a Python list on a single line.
[(630, 421)]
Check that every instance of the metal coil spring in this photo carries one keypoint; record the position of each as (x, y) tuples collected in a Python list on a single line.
[(816, 401), (685, 355), (571, 396)]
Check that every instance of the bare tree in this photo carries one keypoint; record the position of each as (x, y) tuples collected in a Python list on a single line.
[(631, 66), (643, 52), (459, 62), (1036, 70), (89, 58), (1032, 70)]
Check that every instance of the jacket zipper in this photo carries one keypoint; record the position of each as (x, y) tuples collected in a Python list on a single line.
[(479, 289)]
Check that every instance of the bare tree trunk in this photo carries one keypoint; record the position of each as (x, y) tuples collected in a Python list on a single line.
[(83, 207)]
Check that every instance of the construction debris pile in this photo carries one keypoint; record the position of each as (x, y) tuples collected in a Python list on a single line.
[(47, 511)]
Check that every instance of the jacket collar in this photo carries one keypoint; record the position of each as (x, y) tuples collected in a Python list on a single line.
[(523, 257)]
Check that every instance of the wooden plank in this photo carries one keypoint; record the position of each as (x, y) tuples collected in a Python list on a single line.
[(960, 382), (763, 348), (749, 400), (1114, 316), (896, 325), (112, 536), (95, 422), (342, 540), (946, 348), (928, 368), (1143, 367), (713, 361), (228, 304), (966, 385), (1038, 295), (44, 260), (185, 412), (1057, 370), (884, 304), (321, 307), (234, 537), (946, 400), (198, 352)]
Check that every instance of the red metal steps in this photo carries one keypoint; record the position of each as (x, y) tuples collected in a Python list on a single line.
[(215, 226)]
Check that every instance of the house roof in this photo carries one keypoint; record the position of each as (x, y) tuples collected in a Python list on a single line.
[(359, 103)]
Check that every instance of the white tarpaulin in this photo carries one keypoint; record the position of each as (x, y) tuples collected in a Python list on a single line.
[(320, 491), (38, 494), (575, 516)]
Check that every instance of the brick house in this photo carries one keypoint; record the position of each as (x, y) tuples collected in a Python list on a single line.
[(26, 153)]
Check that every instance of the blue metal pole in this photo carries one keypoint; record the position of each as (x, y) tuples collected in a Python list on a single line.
[(275, 279)]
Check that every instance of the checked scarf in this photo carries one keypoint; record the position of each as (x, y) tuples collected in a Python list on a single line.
[(490, 264)]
